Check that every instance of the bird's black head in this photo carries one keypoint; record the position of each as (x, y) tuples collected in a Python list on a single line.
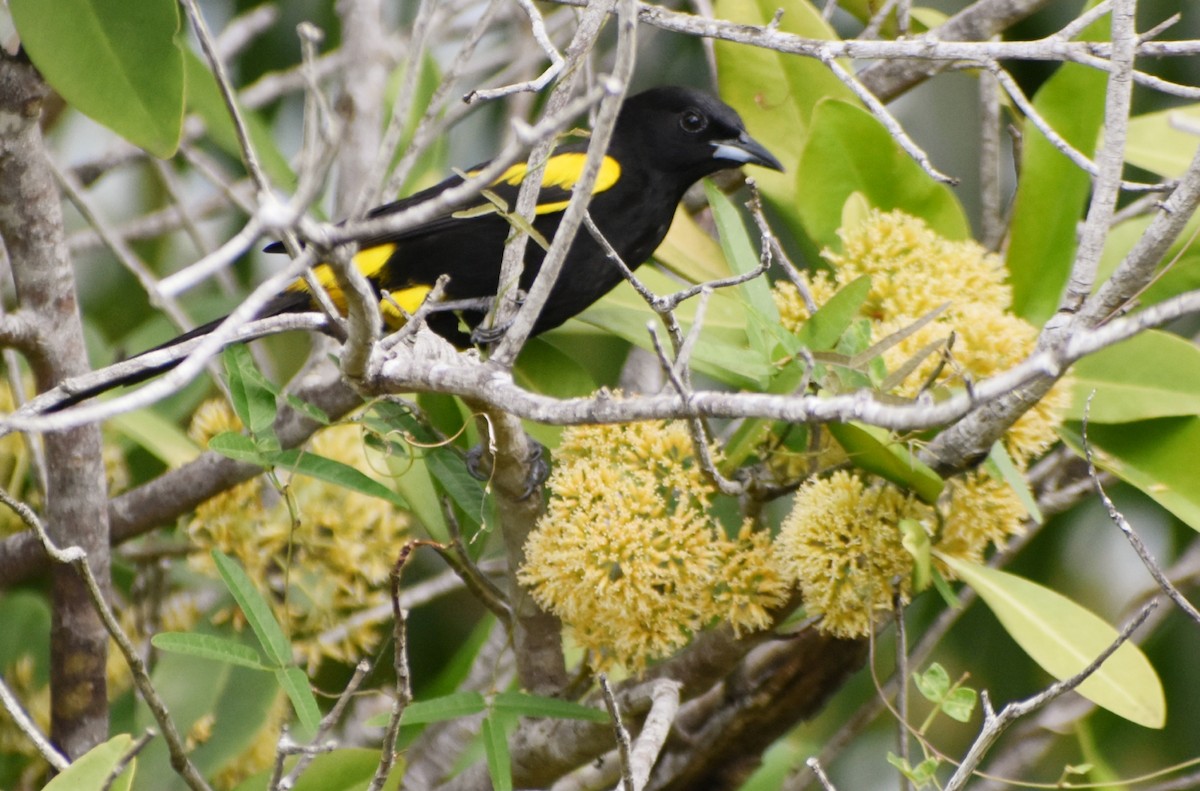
[(688, 132)]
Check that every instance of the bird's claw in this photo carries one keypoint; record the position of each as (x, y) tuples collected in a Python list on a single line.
[(538, 464)]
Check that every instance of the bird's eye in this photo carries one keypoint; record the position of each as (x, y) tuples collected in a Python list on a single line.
[(692, 121)]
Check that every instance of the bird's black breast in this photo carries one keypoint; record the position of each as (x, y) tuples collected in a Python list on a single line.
[(634, 218)]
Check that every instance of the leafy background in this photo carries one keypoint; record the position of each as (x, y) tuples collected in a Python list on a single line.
[(1145, 417)]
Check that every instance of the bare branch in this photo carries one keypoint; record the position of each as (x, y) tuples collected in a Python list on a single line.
[(628, 783), (403, 695), (995, 724), (1135, 540), (76, 557), (1111, 158), (655, 729), (28, 727), (537, 26)]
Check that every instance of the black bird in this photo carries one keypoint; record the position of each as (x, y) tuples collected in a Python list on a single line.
[(665, 140)]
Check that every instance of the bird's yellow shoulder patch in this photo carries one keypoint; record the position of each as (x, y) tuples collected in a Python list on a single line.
[(562, 171)]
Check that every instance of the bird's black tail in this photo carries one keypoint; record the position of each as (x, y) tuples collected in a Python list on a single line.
[(287, 302), (77, 396)]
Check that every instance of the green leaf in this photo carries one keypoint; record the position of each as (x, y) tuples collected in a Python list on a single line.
[(495, 745), (876, 450), (959, 705), (452, 477), (740, 253), (934, 683), (323, 468), (916, 543), (238, 447), (721, 351), (447, 707), (1156, 456), (850, 152), (522, 704), (1164, 142), (295, 685), (161, 437), (690, 251), (776, 93), (920, 775), (762, 318), (208, 646), (252, 397), (415, 484), (256, 609), (341, 770), (89, 771), (118, 62), (945, 590), (311, 411), (205, 100), (1064, 638), (1154, 374), (1051, 190), (825, 328), (543, 368), (1001, 467)]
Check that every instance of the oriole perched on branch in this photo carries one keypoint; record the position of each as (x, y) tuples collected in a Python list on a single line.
[(665, 139)]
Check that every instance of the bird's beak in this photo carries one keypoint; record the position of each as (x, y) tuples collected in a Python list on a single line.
[(745, 150)]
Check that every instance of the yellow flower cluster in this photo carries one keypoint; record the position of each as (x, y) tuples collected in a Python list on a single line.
[(913, 272), (628, 555), (330, 561), (842, 542)]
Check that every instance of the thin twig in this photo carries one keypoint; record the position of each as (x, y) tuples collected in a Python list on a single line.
[(327, 724), (403, 694), (889, 121), (228, 95), (620, 733), (901, 685), (428, 128), (28, 727), (1080, 159), (995, 724), (815, 766), (122, 251), (875, 23), (123, 762), (76, 557), (991, 208), (537, 26), (1121, 522)]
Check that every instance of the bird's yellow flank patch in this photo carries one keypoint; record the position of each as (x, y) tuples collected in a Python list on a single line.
[(370, 262)]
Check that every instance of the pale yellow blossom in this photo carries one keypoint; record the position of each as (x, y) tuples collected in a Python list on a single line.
[(335, 557), (841, 544), (628, 555)]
